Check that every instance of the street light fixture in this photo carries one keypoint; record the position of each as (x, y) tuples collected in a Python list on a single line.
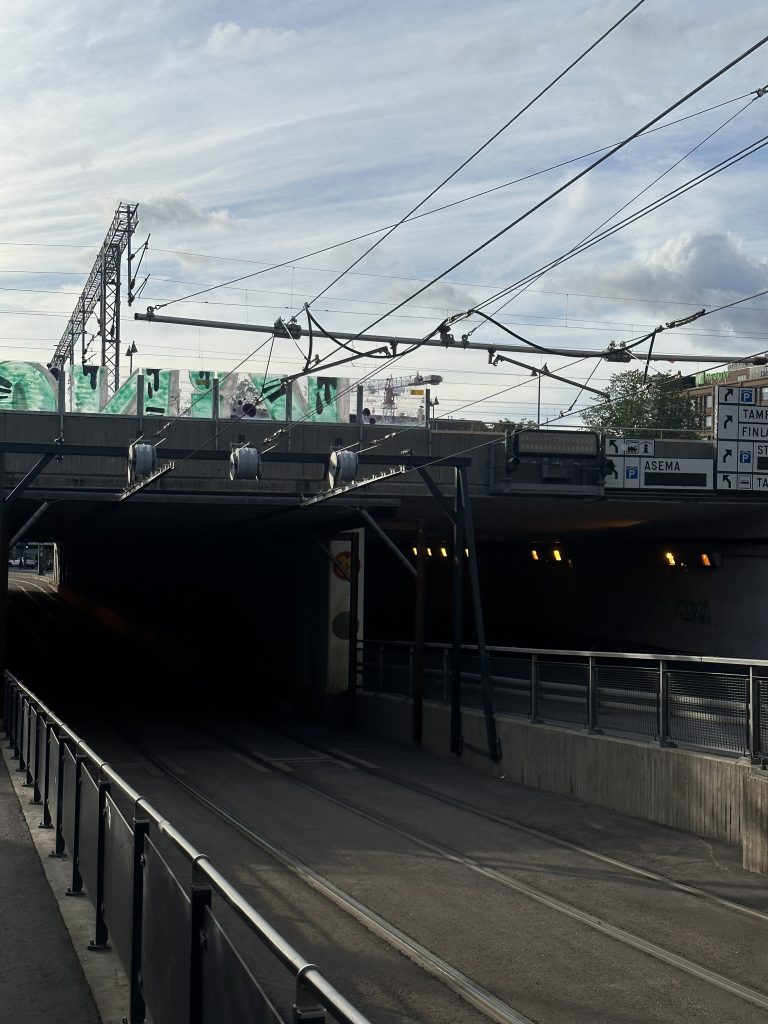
[(130, 352)]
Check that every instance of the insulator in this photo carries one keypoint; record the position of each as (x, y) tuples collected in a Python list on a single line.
[(142, 458), (245, 464), (342, 467)]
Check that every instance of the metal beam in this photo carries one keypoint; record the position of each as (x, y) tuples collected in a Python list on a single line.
[(392, 547), (396, 340), (214, 455), (462, 487), (437, 494), (32, 475), (29, 523)]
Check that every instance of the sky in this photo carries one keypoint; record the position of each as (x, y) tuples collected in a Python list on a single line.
[(252, 134)]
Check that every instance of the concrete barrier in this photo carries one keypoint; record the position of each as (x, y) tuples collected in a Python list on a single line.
[(715, 797)]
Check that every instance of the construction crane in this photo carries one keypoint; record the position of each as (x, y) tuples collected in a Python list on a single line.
[(391, 387)]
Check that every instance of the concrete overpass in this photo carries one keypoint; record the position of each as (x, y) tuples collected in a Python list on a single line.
[(196, 538)]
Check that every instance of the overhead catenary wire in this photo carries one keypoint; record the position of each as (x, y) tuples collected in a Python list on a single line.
[(542, 271), (651, 207), (368, 234), (572, 181), (527, 106)]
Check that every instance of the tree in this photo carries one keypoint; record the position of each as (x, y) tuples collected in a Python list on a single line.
[(638, 408)]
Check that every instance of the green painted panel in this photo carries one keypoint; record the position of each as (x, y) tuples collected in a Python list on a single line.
[(27, 387)]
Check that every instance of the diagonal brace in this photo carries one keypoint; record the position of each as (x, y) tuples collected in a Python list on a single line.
[(31, 476)]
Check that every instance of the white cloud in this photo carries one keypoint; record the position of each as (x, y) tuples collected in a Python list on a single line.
[(228, 39)]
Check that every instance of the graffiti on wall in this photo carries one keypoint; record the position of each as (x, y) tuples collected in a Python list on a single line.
[(33, 387)]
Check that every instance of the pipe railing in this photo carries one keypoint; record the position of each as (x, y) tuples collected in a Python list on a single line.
[(156, 903), (711, 703)]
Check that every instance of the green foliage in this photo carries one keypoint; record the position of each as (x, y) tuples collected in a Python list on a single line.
[(638, 409)]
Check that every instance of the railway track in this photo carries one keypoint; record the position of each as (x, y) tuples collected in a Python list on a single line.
[(494, 1006), (683, 978)]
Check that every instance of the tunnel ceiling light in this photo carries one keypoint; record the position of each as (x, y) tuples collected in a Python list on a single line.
[(429, 552), (444, 552), (415, 552), (670, 558), (706, 561), (466, 552), (557, 555), (534, 554)]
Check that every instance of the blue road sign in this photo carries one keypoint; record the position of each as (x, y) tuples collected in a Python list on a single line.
[(632, 473), (747, 396), (745, 458)]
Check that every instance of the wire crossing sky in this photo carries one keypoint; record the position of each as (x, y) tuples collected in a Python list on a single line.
[(264, 132)]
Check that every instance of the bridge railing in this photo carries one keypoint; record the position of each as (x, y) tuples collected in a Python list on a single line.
[(713, 704), (158, 903)]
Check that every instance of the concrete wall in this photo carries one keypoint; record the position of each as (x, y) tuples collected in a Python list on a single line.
[(716, 797)]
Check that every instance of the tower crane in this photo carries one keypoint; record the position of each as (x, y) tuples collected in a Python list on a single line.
[(391, 387)]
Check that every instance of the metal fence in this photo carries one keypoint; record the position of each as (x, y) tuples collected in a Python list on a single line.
[(158, 903), (713, 704)]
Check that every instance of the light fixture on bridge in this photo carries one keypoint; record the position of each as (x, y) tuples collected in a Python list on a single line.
[(444, 552), (706, 561), (142, 459), (557, 554), (534, 554), (342, 467), (245, 464), (670, 558)]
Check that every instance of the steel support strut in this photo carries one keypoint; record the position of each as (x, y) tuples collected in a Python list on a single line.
[(418, 633), (457, 588), (462, 490)]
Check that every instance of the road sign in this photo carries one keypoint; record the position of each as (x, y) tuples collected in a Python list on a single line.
[(660, 474), (629, 446), (742, 439), (676, 474)]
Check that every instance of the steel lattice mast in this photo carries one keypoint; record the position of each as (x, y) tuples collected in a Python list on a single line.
[(102, 290)]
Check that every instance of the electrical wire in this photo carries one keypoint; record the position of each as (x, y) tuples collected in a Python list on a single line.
[(725, 164), (479, 150), (629, 202), (376, 231), (572, 181)]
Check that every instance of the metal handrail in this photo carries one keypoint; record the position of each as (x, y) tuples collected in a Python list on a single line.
[(698, 659), (307, 975)]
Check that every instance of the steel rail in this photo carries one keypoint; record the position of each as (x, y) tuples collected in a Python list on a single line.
[(552, 902), (469, 990), (518, 826), (311, 977)]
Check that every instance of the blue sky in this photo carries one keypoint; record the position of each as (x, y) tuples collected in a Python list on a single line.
[(259, 132)]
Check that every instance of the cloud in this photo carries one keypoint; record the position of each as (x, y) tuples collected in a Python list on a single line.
[(178, 212), (228, 39)]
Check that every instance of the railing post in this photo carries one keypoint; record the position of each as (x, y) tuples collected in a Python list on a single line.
[(99, 943), (306, 1009), (410, 670), (46, 822), (381, 667), (17, 724), (58, 848), (137, 1010), (36, 798), (592, 695), (534, 688), (21, 752), (200, 899), (753, 718), (29, 780), (445, 675), (76, 888), (663, 704)]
